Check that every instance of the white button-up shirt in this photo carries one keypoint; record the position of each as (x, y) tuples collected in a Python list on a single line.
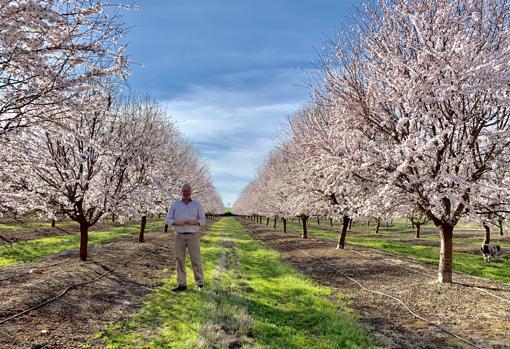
[(179, 211)]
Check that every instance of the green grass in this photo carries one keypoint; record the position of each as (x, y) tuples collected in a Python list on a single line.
[(34, 249), (473, 264), (35, 225), (429, 234), (252, 300)]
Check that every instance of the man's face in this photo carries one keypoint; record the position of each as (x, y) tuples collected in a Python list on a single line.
[(186, 192)]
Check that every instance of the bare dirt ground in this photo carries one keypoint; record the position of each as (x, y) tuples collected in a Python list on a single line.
[(463, 307), (69, 321)]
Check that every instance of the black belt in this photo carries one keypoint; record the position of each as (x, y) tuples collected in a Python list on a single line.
[(187, 232)]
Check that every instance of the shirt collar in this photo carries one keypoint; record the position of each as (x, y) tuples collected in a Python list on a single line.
[(190, 201)]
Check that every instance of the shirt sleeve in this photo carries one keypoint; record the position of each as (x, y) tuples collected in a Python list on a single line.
[(170, 216), (201, 214)]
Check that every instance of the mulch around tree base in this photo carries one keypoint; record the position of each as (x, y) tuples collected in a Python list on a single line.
[(460, 307), (70, 321)]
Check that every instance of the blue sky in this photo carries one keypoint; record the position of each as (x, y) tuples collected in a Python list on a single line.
[(230, 71)]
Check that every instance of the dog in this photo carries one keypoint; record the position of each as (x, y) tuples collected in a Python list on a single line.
[(490, 251)]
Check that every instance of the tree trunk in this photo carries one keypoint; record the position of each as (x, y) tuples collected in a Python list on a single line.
[(53, 223), (446, 254), (350, 224), (368, 223), (274, 224), (166, 228), (84, 239), (331, 222), (377, 226), (318, 221), (500, 223), (487, 239), (113, 217), (343, 233), (284, 225), (418, 226), (305, 230), (142, 229), (159, 215)]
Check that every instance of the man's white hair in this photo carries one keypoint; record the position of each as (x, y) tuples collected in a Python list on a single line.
[(186, 185)]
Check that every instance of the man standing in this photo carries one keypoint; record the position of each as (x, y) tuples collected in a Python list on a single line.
[(187, 216)]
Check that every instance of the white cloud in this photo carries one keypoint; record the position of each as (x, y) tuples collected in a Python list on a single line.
[(235, 127)]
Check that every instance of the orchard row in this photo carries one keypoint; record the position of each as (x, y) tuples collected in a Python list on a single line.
[(410, 117), (71, 141)]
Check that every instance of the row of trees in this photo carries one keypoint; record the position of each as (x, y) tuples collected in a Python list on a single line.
[(70, 142), (410, 117)]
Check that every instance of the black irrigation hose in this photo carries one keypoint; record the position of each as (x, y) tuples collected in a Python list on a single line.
[(51, 265), (50, 300), (394, 298), (429, 274)]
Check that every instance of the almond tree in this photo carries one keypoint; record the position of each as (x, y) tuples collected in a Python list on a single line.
[(87, 168), (425, 85), (160, 143), (50, 53)]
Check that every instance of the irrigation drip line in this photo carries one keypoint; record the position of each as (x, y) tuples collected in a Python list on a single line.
[(430, 274), (67, 289), (399, 300), (51, 265), (394, 298)]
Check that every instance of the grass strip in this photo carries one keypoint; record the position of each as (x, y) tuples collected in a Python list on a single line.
[(34, 249), (472, 264), (36, 225), (251, 300)]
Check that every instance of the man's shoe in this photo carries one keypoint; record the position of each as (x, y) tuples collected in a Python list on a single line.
[(200, 287), (179, 288)]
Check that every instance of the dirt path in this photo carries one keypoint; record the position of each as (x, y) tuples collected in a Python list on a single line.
[(71, 320), (463, 307)]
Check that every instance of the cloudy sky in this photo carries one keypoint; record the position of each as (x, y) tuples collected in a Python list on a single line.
[(230, 71)]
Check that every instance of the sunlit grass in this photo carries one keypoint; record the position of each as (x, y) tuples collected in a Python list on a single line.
[(36, 225), (255, 302), (34, 249), (473, 264)]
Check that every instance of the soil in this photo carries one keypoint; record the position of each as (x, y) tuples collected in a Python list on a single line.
[(463, 307), (71, 320)]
